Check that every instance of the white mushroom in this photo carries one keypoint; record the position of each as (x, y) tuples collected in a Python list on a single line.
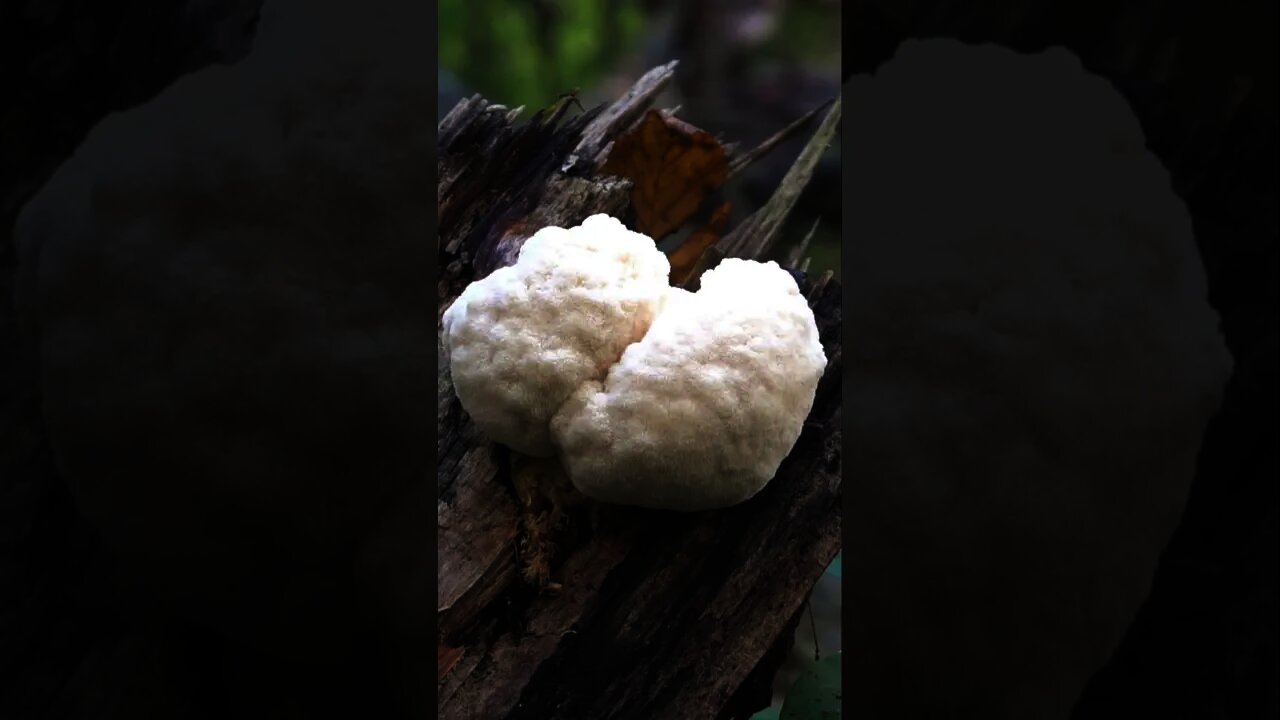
[(521, 340), (701, 412), (651, 396)]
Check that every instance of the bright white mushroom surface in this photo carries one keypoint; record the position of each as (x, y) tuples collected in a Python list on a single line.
[(650, 395)]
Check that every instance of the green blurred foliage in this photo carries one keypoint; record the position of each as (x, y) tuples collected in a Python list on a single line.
[(808, 33), (529, 53)]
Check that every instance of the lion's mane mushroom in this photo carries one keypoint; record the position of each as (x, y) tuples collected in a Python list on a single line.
[(652, 396), (522, 339), (701, 412)]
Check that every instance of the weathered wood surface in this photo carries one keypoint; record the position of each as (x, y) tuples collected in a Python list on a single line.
[(660, 615)]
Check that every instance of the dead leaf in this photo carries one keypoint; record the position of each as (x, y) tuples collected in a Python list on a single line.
[(672, 165), (446, 658), (684, 258)]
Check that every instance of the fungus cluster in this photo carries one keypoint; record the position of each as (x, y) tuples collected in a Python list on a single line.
[(650, 395)]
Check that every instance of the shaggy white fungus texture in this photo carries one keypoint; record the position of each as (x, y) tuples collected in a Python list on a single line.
[(700, 413), (521, 340), (1034, 367), (651, 396)]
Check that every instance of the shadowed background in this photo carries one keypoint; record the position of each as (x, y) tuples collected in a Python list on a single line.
[(1201, 79)]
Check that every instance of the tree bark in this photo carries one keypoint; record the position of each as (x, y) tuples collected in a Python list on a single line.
[(659, 615)]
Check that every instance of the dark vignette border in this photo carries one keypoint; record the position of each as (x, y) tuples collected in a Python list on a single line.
[(1205, 642)]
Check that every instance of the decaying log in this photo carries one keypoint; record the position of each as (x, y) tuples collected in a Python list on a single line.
[(658, 615)]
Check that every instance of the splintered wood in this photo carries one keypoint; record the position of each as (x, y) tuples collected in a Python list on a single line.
[(641, 614)]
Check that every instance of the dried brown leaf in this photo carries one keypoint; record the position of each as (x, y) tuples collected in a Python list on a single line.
[(672, 166), (684, 258)]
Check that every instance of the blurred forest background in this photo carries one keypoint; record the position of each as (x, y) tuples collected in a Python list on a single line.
[(747, 69)]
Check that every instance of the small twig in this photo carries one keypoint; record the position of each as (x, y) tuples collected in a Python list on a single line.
[(742, 162), (813, 627), (571, 98), (561, 106), (799, 250), (819, 284), (753, 238)]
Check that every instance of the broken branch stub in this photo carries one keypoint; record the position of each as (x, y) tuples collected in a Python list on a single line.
[(754, 237)]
